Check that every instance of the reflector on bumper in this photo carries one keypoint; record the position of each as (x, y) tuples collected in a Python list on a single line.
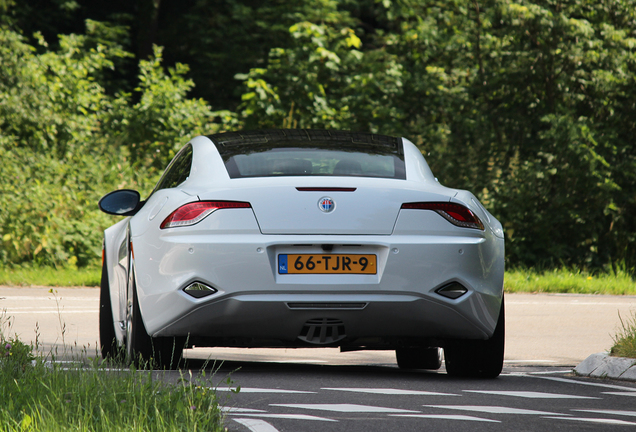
[(453, 290), (199, 290)]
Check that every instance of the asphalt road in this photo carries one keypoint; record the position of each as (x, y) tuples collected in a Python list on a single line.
[(308, 397), (324, 390)]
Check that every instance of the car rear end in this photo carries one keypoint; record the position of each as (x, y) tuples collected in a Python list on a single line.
[(346, 241)]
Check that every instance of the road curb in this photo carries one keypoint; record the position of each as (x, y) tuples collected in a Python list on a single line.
[(602, 365)]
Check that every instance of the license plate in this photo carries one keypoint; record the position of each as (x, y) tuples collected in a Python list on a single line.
[(327, 264)]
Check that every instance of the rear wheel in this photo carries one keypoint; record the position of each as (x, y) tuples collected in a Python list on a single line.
[(419, 358), (477, 358), (107, 339), (145, 351)]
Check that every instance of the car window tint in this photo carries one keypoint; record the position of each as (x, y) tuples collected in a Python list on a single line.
[(178, 171), (313, 161), (310, 152), (328, 160)]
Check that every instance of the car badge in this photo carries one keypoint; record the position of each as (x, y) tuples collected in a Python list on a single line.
[(326, 205)]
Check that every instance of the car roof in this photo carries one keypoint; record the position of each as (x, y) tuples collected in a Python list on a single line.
[(300, 135), (208, 166)]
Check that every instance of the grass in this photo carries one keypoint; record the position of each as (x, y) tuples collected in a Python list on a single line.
[(50, 276), (625, 339), (40, 395), (571, 281)]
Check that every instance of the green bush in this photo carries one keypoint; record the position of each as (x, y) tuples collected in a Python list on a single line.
[(15, 357), (49, 206), (65, 142)]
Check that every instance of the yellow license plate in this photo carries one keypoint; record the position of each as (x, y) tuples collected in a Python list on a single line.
[(327, 264)]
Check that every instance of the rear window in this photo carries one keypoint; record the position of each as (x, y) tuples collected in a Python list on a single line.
[(335, 155)]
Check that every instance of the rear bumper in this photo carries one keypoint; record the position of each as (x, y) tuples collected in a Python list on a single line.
[(357, 319), (254, 302)]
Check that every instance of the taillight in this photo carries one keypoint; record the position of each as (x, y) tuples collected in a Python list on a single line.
[(456, 214), (195, 212)]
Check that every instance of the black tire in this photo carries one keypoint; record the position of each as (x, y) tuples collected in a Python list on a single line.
[(418, 358), (144, 351), (478, 358), (107, 339)]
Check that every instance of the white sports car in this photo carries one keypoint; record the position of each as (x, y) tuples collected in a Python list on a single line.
[(304, 238)]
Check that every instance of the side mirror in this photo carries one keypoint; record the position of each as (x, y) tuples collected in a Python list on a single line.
[(123, 202)]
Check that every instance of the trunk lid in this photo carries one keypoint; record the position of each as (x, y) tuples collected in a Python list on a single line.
[(357, 210)]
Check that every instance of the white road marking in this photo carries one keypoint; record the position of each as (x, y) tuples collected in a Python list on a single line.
[(446, 417), (571, 302), (494, 409), (41, 308), (594, 420), (262, 390), (52, 298), (595, 384), (240, 410), (256, 425), (287, 416), (530, 395), (530, 361), (389, 391), (525, 374), (630, 393), (61, 311), (611, 412), (349, 408)]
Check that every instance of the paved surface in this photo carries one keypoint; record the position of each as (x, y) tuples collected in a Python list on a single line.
[(62, 320), (541, 329), (563, 328), (297, 397)]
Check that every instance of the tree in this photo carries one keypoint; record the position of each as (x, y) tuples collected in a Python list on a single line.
[(65, 142)]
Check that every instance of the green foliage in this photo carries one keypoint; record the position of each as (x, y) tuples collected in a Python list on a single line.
[(220, 38), (565, 72), (164, 119), (572, 281), (39, 395), (50, 214), (29, 275), (65, 142), (51, 102), (51, 110), (48, 398), (15, 357), (323, 80)]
